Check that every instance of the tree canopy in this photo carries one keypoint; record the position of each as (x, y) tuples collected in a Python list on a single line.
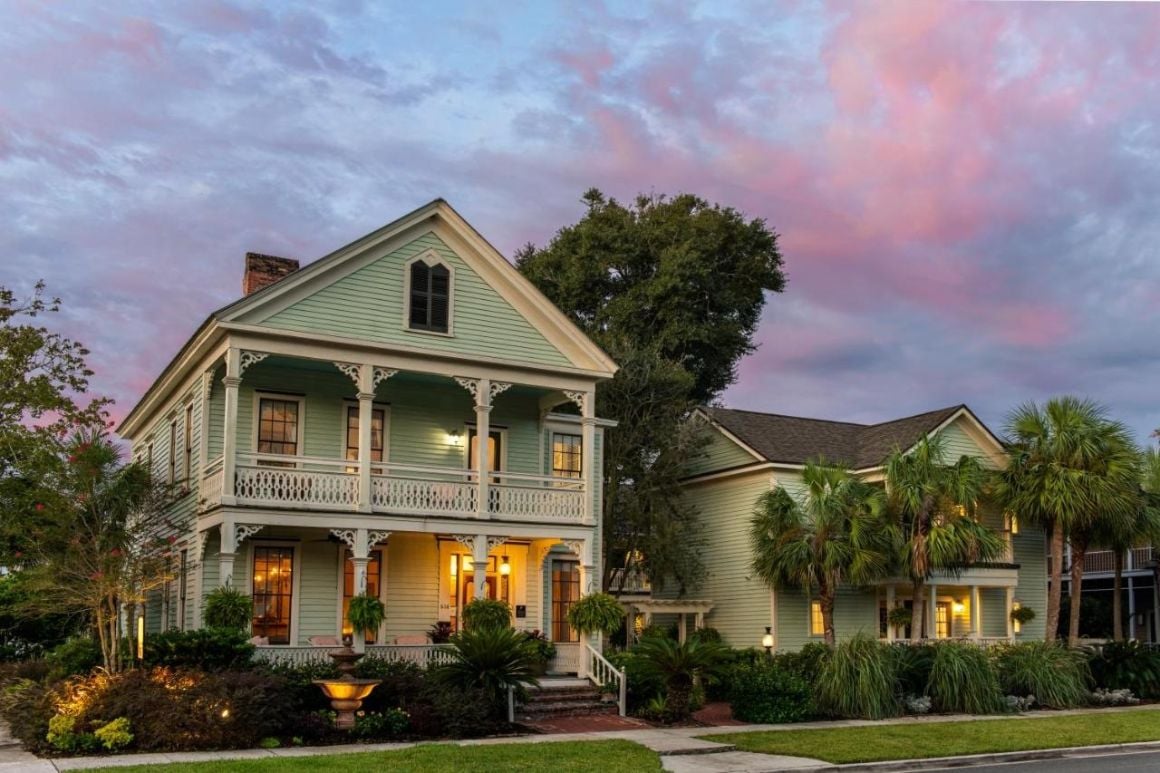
[(673, 289)]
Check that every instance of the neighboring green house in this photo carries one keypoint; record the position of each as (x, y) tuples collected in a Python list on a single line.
[(751, 452), (324, 428)]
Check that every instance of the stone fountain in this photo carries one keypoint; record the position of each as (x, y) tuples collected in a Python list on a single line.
[(346, 693)]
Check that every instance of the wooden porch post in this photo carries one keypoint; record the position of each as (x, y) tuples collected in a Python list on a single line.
[(588, 439), (232, 380), (226, 554), (932, 613), (1010, 606), (479, 552), (366, 406), (889, 606), (976, 618)]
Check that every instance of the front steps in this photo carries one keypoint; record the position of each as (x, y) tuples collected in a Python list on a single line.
[(563, 697)]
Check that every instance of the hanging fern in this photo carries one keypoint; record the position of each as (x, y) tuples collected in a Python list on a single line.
[(596, 613), (227, 607), (365, 613)]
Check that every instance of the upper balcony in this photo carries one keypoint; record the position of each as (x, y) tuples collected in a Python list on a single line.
[(291, 433)]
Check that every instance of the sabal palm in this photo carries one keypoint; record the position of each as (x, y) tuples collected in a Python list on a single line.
[(935, 504), (831, 533), (1068, 466)]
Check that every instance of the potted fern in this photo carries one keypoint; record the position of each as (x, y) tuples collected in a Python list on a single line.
[(596, 613), (365, 613), (1022, 615)]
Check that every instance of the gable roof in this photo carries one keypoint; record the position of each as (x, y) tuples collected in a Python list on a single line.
[(796, 440), (587, 357)]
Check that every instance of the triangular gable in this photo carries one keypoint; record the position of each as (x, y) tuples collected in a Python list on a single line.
[(358, 292), (724, 450), (963, 434)]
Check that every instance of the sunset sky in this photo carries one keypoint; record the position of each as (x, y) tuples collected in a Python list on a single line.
[(968, 195)]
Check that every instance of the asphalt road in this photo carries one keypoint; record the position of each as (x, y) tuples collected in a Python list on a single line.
[(1104, 763)]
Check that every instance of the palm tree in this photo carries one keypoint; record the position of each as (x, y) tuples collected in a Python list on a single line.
[(1068, 466), (935, 504), (833, 533), (678, 666)]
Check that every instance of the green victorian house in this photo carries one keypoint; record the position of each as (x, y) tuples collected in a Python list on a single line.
[(407, 416), (749, 453)]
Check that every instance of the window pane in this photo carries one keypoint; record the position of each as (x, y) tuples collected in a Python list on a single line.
[(565, 591), (566, 456), (273, 585), (278, 426)]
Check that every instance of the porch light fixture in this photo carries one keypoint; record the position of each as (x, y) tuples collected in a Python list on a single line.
[(505, 568), (455, 438), (767, 640), (960, 607)]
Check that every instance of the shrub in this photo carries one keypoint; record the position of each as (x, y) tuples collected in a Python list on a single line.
[(708, 635), (401, 683), (486, 613), (962, 679), (27, 708), (365, 613), (79, 655), (912, 664), (857, 680), (227, 607), (440, 632), (391, 723), (1126, 665), (1055, 675), (208, 649), (491, 660), (542, 646), (806, 662), (656, 709), (115, 735), (642, 687), (769, 693), (63, 736), (678, 666), (448, 711), (596, 613)]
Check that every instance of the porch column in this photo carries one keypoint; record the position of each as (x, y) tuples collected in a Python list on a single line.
[(203, 429), (976, 618), (889, 607), (482, 393), (480, 548), (682, 628), (1010, 606), (1131, 608), (232, 380), (226, 554), (932, 614), (773, 616), (366, 406), (588, 439)]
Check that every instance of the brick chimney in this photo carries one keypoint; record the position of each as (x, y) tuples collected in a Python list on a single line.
[(263, 270)]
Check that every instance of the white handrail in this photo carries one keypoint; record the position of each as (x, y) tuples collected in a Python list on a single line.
[(600, 671)]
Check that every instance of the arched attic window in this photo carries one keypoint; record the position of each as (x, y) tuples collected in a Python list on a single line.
[(430, 297)]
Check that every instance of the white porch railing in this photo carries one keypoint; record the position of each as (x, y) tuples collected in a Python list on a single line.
[(272, 480), (981, 641), (602, 673), (424, 655), (1104, 561), (629, 581), (211, 484)]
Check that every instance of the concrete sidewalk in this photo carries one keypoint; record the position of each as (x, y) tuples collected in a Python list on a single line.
[(681, 750)]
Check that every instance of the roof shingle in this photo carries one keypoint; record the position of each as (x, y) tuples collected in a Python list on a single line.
[(796, 440)]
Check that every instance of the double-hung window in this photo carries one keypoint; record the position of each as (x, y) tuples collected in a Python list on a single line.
[(273, 593), (378, 421), (817, 623), (430, 297), (173, 451), (567, 455), (279, 430), (187, 439)]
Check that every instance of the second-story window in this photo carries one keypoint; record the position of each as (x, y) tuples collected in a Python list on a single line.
[(173, 451), (430, 301), (187, 463), (378, 417), (278, 426), (567, 455)]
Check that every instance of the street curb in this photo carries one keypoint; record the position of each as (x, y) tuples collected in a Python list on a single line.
[(973, 760)]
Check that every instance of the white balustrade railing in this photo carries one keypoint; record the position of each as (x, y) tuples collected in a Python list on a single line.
[(423, 655), (536, 497), (629, 581), (271, 479), (211, 484), (333, 484), (603, 674), (424, 490), (1140, 558)]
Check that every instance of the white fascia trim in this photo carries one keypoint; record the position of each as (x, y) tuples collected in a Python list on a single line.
[(569, 418), (748, 469)]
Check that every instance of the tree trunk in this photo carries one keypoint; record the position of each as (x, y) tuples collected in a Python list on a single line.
[(1078, 558), (677, 699), (1055, 588), (918, 611), (1117, 602), (826, 601)]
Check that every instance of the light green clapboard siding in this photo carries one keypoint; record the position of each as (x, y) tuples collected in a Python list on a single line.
[(855, 611), (368, 304), (958, 443), (741, 602), (720, 453), (420, 416), (318, 588), (1031, 555), (412, 594)]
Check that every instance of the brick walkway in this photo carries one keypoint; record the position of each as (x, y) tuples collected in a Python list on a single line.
[(590, 724)]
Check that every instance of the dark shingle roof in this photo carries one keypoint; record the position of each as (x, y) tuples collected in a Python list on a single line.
[(796, 440)]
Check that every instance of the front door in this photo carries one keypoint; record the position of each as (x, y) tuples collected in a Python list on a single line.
[(942, 620)]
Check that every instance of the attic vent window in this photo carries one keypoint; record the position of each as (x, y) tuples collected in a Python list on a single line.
[(430, 297)]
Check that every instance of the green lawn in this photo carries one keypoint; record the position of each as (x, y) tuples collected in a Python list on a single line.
[(944, 739), (601, 756)]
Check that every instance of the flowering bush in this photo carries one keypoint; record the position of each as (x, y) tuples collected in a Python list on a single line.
[(391, 723)]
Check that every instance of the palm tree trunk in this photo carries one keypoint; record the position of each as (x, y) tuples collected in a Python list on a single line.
[(1055, 589), (1078, 558), (826, 601), (918, 611), (1117, 602)]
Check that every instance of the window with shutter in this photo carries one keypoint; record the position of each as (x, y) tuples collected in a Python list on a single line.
[(430, 301)]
